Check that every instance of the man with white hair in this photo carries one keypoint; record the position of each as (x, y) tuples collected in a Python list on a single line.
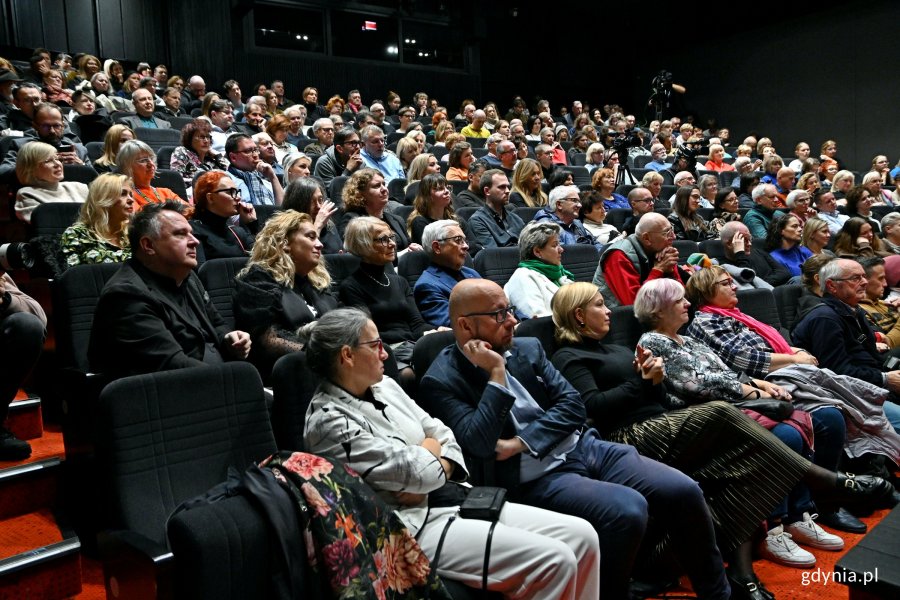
[(446, 245), (577, 109), (323, 130), (476, 129), (758, 218), (377, 113), (742, 165), (627, 263), (562, 208), (492, 159), (297, 133)]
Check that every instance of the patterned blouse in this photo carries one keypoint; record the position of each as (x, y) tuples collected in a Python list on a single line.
[(81, 246), (188, 164), (693, 372)]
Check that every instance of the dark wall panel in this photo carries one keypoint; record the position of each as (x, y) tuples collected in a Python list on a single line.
[(81, 26), (112, 38), (53, 22), (27, 19)]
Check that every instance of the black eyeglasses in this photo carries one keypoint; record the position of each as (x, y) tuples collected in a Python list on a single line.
[(500, 315), (233, 192), (456, 239), (386, 240), (376, 343)]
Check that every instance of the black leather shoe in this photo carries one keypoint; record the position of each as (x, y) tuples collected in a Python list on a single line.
[(842, 520), (752, 589), (11, 447), (862, 489)]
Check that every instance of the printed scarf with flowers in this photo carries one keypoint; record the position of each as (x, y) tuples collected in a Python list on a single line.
[(352, 538)]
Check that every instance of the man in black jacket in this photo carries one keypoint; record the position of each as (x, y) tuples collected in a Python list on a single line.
[(739, 251), (154, 314)]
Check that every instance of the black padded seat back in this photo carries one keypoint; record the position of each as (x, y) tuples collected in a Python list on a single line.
[(217, 276), (426, 350), (81, 173), (158, 138), (466, 212), (336, 188), (581, 260), (713, 249), (759, 304), (624, 328), (222, 551), (53, 218), (293, 386), (541, 328), (397, 190), (403, 211), (75, 296), (167, 178), (164, 157), (685, 249), (178, 123), (526, 213), (166, 437), (580, 174), (264, 212), (787, 299), (94, 150), (497, 264), (617, 217)]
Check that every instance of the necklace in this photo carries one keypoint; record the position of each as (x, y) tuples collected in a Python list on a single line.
[(388, 279), (155, 195)]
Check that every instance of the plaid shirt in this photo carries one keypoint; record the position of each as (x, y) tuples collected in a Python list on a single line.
[(739, 347)]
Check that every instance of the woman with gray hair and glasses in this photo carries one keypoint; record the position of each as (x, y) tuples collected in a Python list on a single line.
[(540, 272), (138, 161)]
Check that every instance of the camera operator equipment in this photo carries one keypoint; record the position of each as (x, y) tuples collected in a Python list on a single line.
[(620, 145), (661, 93)]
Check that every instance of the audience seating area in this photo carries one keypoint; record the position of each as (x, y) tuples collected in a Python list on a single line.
[(115, 459)]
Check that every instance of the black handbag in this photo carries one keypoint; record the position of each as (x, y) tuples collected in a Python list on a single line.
[(484, 503)]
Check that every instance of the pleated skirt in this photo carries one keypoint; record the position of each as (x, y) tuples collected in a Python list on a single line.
[(743, 470)]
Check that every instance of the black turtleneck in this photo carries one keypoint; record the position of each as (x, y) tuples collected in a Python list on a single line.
[(218, 239)]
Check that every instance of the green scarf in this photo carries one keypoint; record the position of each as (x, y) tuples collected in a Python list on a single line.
[(552, 272)]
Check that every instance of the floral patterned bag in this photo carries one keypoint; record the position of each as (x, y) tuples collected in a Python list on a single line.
[(352, 538)]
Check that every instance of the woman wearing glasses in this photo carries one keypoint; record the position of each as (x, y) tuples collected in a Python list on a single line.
[(138, 161), (414, 463), (195, 154), (284, 286), (540, 273), (39, 169), (385, 294), (217, 199)]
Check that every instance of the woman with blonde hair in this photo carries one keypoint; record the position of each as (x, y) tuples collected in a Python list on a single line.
[(100, 235), (441, 131), (114, 138), (407, 151), (39, 169), (816, 236), (422, 165), (366, 195), (526, 184), (284, 286)]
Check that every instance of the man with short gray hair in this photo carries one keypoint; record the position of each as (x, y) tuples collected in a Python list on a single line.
[(760, 216), (375, 157), (446, 245), (836, 332), (562, 209), (627, 263), (323, 130)]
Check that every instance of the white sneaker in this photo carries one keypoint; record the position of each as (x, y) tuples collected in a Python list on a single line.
[(808, 533), (778, 547)]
